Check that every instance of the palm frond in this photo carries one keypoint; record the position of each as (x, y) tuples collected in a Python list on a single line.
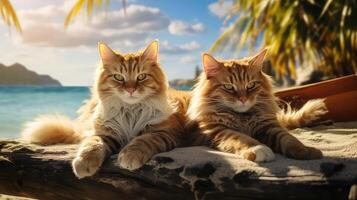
[(317, 33), (8, 15), (90, 5)]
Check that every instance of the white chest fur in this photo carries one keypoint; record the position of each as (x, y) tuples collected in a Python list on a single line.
[(127, 120)]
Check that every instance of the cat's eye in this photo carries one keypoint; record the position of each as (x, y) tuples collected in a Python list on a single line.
[(252, 85), (228, 87), (118, 77), (141, 77)]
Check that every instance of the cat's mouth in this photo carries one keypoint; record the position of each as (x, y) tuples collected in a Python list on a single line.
[(242, 109), (132, 96), (239, 107), (130, 99)]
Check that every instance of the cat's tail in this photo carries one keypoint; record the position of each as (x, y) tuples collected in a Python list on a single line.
[(305, 116), (51, 129)]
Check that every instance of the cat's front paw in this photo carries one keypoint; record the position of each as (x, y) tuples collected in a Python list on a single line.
[(259, 153), (132, 159), (87, 164)]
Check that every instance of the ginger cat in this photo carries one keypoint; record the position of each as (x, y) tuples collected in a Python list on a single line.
[(129, 112), (233, 109), (133, 112)]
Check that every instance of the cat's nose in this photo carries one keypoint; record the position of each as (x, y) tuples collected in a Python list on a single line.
[(130, 90), (242, 99)]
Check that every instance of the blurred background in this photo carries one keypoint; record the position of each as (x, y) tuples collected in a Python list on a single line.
[(48, 49)]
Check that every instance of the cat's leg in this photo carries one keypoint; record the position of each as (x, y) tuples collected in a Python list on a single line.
[(142, 148), (92, 152), (281, 141), (238, 143)]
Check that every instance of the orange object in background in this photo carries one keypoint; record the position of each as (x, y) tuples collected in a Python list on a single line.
[(340, 94)]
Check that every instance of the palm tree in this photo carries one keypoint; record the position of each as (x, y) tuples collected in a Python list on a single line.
[(318, 33), (89, 4), (9, 15)]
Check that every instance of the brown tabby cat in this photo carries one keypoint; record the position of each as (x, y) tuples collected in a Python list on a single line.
[(129, 111), (235, 111)]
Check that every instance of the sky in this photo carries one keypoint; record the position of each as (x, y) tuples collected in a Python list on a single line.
[(185, 29)]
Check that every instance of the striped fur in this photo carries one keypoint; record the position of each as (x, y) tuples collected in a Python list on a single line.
[(233, 109), (127, 115)]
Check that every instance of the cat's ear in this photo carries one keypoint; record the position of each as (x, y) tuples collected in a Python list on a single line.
[(210, 65), (106, 53), (257, 60), (151, 52)]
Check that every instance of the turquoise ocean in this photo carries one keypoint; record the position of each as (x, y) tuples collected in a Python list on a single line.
[(21, 104)]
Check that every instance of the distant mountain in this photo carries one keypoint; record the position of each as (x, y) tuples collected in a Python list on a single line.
[(17, 74)]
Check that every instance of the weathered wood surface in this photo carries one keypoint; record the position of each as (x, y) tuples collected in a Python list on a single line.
[(188, 173), (45, 173)]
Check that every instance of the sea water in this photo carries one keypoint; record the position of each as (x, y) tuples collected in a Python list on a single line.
[(21, 104)]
